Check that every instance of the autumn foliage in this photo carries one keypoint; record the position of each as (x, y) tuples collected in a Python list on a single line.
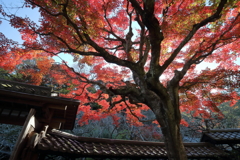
[(134, 55)]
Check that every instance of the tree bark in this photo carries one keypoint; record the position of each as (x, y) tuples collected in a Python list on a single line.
[(172, 136), (169, 117), (173, 142)]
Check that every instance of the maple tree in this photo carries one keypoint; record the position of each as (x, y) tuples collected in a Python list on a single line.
[(142, 54)]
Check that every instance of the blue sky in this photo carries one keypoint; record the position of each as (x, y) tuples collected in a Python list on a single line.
[(14, 7)]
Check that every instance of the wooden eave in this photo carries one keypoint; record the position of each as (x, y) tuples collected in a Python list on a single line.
[(63, 110)]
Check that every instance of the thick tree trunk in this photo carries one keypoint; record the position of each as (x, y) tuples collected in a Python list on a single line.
[(173, 142), (172, 138), (169, 118)]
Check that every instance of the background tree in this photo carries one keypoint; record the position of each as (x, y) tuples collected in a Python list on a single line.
[(153, 48), (228, 117)]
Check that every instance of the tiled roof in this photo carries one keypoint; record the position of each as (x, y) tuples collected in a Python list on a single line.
[(60, 142), (221, 136), (24, 88)]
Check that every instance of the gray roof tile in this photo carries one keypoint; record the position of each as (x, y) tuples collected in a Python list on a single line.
[(61, 142)]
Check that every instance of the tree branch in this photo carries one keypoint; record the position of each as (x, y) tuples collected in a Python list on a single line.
[(132, 113), (194, 60), (195, 28)]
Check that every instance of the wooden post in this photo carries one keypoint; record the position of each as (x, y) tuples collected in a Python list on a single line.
[(30, 125)]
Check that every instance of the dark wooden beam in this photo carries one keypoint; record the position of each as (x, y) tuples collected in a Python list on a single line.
[(30, 125)]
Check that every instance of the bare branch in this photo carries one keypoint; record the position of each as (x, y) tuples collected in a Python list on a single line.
[(136, 115)]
